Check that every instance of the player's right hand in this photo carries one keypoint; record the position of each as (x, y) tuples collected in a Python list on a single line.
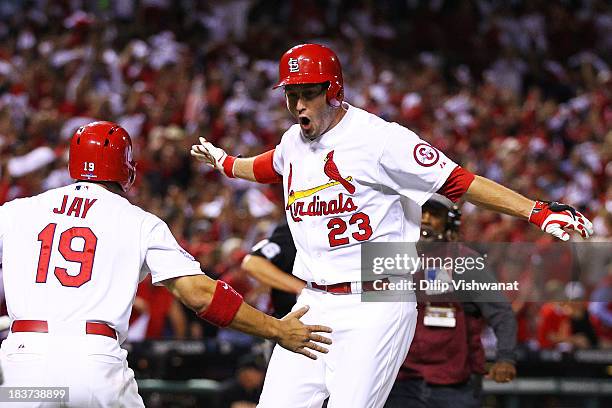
[(209, 154), (299, 337)]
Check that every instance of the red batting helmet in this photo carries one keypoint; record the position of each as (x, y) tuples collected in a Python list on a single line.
[(312, 64), (102, 151)]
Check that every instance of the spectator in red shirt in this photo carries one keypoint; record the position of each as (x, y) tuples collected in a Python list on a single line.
[(162, 308), (566, 324)]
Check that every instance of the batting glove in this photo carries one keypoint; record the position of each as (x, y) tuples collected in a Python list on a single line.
[(555, 218), (214, 156)]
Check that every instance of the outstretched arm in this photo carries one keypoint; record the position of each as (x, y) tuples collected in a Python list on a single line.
[(488, 194), (551, 217), (218, 303), (244, 168), (258, 168)]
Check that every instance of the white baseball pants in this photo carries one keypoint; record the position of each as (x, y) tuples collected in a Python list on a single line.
[(370, 343), (94, 368)]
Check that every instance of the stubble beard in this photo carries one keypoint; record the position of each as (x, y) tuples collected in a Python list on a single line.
[(310, 137), (326, 118)]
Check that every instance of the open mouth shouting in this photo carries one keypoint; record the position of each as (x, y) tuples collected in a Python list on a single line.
[(305, 123)]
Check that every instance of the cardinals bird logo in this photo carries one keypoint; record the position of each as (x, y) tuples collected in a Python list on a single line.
[(331, 170)]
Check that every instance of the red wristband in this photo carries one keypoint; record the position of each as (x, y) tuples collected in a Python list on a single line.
[(538, 215), (223, 306), (228, 166), (543, 209)]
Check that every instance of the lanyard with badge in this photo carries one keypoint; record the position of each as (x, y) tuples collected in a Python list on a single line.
[(439, 280)]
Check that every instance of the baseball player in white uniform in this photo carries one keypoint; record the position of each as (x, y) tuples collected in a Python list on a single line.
[(351, 177), (72, 260)]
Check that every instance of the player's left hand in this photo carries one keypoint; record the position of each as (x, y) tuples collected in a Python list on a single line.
[(299, 337), (502, 371), (556, 218)]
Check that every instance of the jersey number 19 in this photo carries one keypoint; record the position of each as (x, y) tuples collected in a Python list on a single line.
[(85, 257)]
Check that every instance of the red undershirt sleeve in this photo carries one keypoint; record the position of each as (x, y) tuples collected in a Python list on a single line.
[(456, 184)]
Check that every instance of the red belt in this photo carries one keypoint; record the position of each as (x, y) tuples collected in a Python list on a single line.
[(41, 326), (345, 287)]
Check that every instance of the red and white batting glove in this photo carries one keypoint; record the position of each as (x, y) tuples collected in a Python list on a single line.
[(555, 218), (214, 156)]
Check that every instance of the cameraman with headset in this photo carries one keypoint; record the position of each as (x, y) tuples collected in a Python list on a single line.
[(446, 361)]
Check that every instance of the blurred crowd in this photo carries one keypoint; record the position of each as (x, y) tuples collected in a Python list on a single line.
[(517, 91)]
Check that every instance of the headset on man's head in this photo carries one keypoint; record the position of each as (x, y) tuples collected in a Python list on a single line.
[(453, 219)]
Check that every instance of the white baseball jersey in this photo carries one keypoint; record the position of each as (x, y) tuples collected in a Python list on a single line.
[(350, 186), (77, 253)]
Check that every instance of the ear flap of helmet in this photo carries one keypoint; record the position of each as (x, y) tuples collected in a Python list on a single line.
[(335, 94), (131, 178)]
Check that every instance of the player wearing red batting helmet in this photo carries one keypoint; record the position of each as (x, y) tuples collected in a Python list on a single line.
[(312, 64), (352, 178), (305, 72), (72, 258), (102, 151)]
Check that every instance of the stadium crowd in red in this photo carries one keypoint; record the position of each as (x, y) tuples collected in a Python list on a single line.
[(521, 95)]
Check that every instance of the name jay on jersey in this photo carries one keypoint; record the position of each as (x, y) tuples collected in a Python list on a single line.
[(78, 206)]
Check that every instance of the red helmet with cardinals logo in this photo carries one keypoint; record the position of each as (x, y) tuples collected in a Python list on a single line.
[(312, 64)]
